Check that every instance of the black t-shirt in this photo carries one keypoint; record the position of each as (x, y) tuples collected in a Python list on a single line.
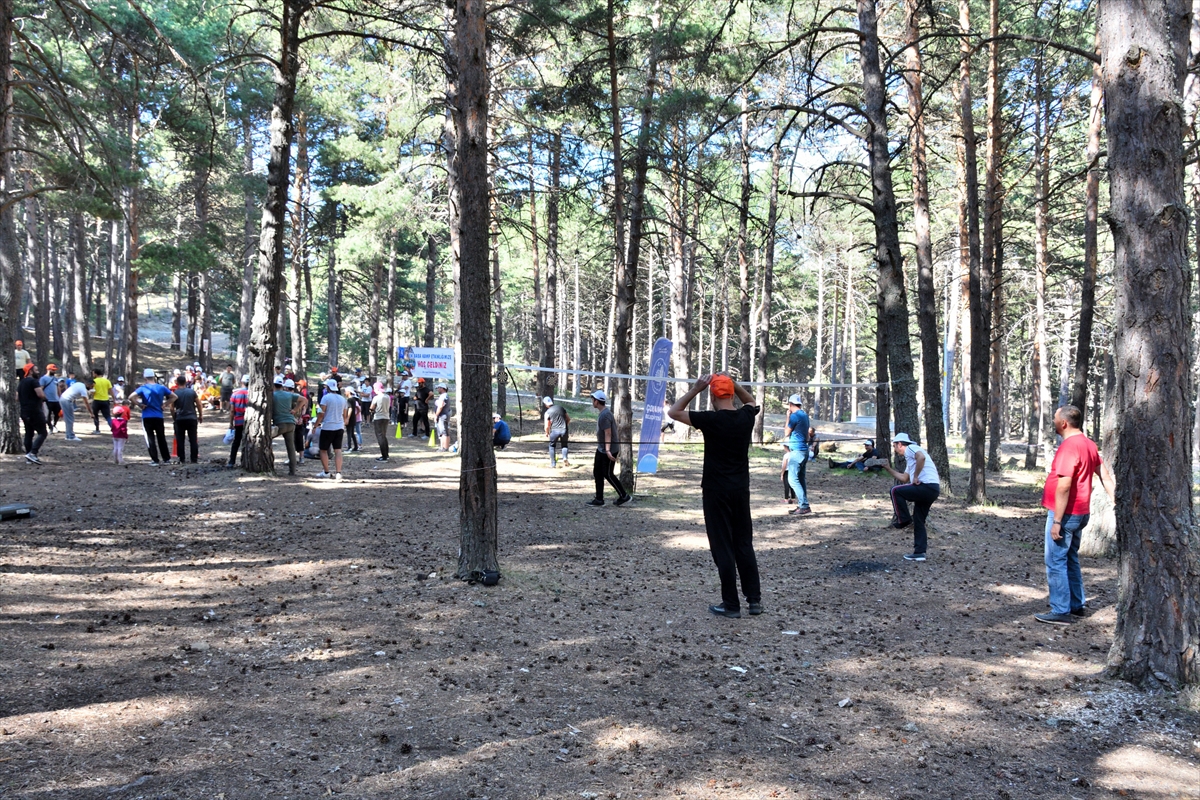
[(185, 403), (31, 404), (726, 447), (422, 398)]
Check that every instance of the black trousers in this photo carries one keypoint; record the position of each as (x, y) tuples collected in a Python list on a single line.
[(731, 540), (35, 432), (922, 496), (156, 438), (186, 428), (101, 408), (381, 427), (422, 418), (401, 409), (605, 469), (238, 430)]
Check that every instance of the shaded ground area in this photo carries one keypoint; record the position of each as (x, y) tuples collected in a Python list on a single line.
[(199, 633)]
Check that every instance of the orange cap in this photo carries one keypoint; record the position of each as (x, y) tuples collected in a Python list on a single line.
[(51, 368), (721, 386)]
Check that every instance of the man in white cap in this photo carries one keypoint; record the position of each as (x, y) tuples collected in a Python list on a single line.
[(795, 436), (285, 405), (921, 487), (151, 395), (332, 418), (608, 447), (557, 427)]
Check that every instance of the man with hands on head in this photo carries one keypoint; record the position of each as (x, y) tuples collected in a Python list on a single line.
[(725, 487)]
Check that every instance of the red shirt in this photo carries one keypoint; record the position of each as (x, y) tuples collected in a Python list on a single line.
[(1076, 460)]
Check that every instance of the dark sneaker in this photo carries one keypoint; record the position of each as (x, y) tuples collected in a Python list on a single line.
[(721, 611), (1080, 612), (382, 458), (898, 524), (32, 458), (801, 510), (595, 501), (754, 609), (914, 556), (1054, 619), (622, 500)]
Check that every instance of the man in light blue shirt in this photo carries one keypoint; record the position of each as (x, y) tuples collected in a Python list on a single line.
[(796, 438)]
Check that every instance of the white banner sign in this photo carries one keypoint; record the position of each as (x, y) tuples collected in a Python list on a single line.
[(432, 362)]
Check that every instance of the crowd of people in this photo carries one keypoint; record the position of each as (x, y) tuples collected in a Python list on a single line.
[(316, 422), (320, 424)]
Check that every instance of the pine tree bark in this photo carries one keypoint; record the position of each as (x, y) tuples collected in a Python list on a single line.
[(743, 246), (1039, 395), (431, 265), (299, 257), (1144, 61), (892, 300), (265, 321), (550, 327), (470, 216), (931, 349), (768, 288), (1091, 213), (993, 244), (976, 339), (79, 264), (250, 255), (10, 262)]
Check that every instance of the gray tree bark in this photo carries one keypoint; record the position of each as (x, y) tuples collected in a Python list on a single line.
[(10, 266), (893, 303), (469, 216), (264, 325), (251, 255), (931, 349), (1144, 59)]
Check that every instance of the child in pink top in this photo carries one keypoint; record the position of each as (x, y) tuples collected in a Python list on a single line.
[(120, 430)]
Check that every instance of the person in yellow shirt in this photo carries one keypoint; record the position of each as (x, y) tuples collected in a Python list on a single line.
[(101, 399)]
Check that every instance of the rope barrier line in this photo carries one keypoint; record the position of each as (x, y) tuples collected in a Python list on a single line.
[(670, 379)]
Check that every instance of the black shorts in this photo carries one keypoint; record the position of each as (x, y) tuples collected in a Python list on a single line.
[(331, 440)]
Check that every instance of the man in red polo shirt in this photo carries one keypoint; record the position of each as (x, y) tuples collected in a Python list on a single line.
[(1067, 498)]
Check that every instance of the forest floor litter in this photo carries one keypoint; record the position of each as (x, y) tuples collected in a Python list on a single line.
[(197, 632)]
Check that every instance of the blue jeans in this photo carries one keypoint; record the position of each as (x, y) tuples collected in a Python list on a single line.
[(797, 467), (1062, 564)]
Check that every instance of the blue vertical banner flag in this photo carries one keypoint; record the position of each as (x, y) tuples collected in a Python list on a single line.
[(652, 414)]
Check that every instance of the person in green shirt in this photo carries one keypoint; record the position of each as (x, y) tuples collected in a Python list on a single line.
[(285, 405)]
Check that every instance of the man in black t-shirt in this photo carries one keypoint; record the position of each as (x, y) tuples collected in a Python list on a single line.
[(420, 415), (608, 447), (725, 487), (187, 416), (30, 398)]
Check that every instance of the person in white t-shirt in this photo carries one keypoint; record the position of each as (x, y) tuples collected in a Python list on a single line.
[(381, 415), (332, 418), (921, 487), (76, 391)]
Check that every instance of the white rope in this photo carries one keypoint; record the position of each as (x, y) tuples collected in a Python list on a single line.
[(669, 379)]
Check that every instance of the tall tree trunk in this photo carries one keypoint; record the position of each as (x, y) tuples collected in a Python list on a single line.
[(176, 311), (393, 268), (893, 304), (975, 346), (263, 345), (1144, 53), (79, 277), (1039, 400), (38, 287), (993, 242), (374, 304), (743, 256), (1091, 213), (469, 214), (113, 291), (299, 259), (550, 329), (202, 210), (935, 429), (431, 265), (677, 275), (250, 255), (497, 290), (10, 262), (768, 277), (539, 308), (193, 312), (333, 292)]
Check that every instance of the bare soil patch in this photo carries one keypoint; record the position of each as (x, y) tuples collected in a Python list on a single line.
[(200, 633)]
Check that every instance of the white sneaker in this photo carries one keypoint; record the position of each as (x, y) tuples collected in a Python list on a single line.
[(337, 476), (323, 474), (73, 439)]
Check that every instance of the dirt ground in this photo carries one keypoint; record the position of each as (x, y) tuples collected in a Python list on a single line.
[(201, 633)]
